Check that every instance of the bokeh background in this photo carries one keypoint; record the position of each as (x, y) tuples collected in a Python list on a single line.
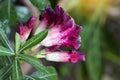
[(100, 35)]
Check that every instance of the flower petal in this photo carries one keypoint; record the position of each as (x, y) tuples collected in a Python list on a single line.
[(69, 37), (63, 30), (65, 56), (49, 15), (24, 30), (31, 22), (76, 56)]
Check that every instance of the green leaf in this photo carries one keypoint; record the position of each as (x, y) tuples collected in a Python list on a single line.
[(33, 61), (5, 60), (5, 72), (7, 10), (34, 40), (17, 41), (4, 40), (5, 52), (112, 56), (44, 73), (49, 76), (30, 78), (94, 56), (40, 4), (16, 71), (39, 75)]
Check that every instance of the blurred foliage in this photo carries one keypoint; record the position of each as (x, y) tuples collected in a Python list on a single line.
[(7, 9), (98, 42), (23, 13), (40, 4)]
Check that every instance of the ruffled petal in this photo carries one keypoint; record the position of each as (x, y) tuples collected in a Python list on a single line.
[(62, 28), (49, 15)]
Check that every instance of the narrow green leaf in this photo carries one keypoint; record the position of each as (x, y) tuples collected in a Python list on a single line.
[(94, 56), (112, 57), (5, 52), (7, 9), (4, 40), (33, 61), (5, 72), (16, 71), (44, 73), (49, 76), (17, 41), (34, 40), (5, 60), (30, 78)]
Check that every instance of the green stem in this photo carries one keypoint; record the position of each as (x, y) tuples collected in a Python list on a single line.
[(40, 56)]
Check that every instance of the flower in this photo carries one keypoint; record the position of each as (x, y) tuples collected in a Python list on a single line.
[(62, 28), (64, 56), (62, 31), (24, 30)]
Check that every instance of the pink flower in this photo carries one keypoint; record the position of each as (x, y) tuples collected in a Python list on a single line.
[(63, 30), (24, 30), (65, 56)]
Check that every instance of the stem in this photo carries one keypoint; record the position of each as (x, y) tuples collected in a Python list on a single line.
[(40, 56), (35, 12)]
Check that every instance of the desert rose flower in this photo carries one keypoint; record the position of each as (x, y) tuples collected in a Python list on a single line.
[(62, 29), (24, 30), (63, 56)]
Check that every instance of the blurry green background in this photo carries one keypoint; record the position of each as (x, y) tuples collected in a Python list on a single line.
[(100, 38), (100, 35)]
